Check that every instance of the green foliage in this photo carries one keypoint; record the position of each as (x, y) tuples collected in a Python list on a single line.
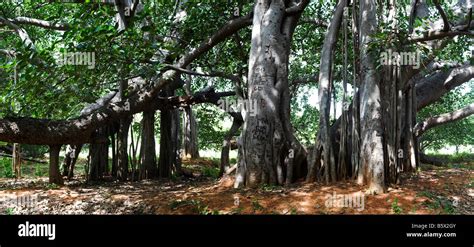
[(305, 119), (9, 211), (395, 207), (52, 186), (43, 89), (40, 171), (471, 184), (6, 165), (210, 126), (212, 172), (438, 202), (293, 211), (34, 151)]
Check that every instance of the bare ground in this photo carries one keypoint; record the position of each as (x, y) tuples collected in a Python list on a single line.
[(431, 191)]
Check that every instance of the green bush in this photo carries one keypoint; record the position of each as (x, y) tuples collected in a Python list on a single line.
[(396, 208), (34, 151), (6, 165), (212, 172), (39, 170)]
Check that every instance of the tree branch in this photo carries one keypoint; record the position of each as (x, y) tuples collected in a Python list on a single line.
[(412, 16), (433, 87), (297, 8), (443, 15), (25, 38), (433, 35), (445, 118), (40, 23)]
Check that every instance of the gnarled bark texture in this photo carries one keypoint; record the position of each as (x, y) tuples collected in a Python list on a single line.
[(148, 166), (191, 150), (54, 173), (326, 155), (270, 154), (371, 146)]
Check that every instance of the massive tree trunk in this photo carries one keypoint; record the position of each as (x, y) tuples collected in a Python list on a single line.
[(168, 138), (98, 156), (148, 166), (371, 147), (270, 153), (191, 149), (166, 145), (54, 172)]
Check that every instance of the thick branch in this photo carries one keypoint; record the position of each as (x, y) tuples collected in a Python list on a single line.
[(227, 30), (443, 15), (208, 95), (431, 88), (432, 122), (40, 23), (440, 35), (411, 21)]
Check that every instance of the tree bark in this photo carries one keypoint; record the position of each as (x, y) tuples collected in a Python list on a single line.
[(148, 165), (122, 153), (372, 154), (54, 172), (236, 123), (191, 150), (166, 145), (122, 138), (445, 118), (98, 156), (268, 145), (168, 138), (325, 83), (70, 159), (16, 160), (176, 141)]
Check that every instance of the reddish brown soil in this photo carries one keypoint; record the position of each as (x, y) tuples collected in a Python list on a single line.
[(432, 191)]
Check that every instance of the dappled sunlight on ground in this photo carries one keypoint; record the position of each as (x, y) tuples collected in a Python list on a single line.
[(432, 191)]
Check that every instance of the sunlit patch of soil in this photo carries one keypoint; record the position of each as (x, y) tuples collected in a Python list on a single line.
[(431, 191)]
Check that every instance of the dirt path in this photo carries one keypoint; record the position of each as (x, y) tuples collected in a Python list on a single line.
[(445, 191)]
